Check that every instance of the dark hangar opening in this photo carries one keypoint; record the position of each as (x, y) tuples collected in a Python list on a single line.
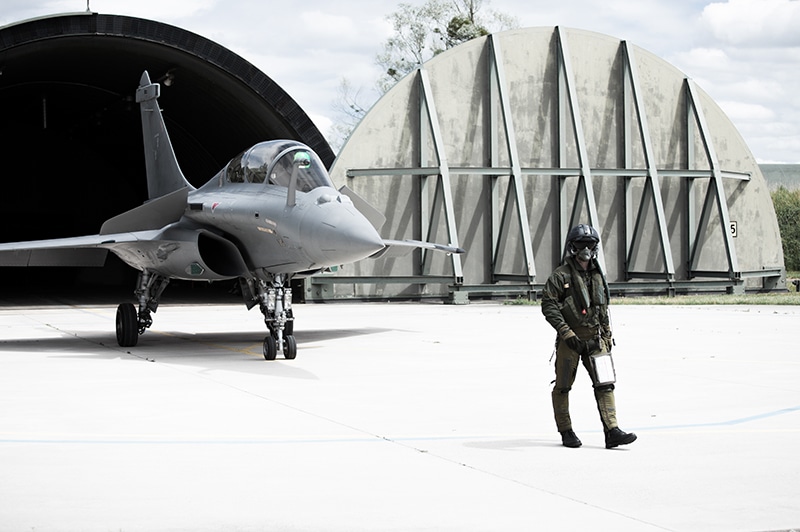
[(71, 134)]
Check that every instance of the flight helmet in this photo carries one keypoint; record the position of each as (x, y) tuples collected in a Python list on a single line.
[(302, 159), (582, 242)]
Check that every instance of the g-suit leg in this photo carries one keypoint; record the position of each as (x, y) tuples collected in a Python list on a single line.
[(566, 367), (604, 396)]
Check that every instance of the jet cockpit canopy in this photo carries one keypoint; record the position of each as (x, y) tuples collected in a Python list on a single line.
[(277, 162)]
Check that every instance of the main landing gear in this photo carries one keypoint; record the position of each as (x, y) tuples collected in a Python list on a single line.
[(275, 301), (274, 298), (130, 323)]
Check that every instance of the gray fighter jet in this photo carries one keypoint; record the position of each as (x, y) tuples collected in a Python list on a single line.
[(269, 215)]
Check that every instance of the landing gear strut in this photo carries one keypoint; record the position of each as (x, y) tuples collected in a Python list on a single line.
[(275, 301), (130, 323)]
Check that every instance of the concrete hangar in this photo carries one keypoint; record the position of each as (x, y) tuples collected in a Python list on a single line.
[(498, 145)]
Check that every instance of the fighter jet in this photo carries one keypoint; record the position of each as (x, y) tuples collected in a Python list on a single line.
[(271, 214)]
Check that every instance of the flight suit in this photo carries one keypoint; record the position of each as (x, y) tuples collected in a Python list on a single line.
[(575, 303)]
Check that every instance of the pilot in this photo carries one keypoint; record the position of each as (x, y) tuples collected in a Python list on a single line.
[(575, 302)]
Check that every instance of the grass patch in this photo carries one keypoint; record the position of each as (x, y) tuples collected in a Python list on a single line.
[(792, 297), (786, 298)]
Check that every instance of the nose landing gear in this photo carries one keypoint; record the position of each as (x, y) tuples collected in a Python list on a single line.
[(275, 302)]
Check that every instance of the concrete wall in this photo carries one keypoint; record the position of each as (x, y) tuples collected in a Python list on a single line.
[(395, 134)]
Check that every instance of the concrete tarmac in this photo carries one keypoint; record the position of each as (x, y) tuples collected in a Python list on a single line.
[(394, 417)]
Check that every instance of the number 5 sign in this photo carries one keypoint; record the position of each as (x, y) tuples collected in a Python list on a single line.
[(734, 229)]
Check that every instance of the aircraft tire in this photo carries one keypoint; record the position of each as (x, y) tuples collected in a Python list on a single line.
[(127, 325), (270, 348), (289, 347)]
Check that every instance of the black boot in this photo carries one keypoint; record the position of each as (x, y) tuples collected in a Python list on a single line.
[(616, 437), (569, 439)]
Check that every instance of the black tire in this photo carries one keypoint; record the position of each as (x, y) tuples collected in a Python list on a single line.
[(270, 348), (289, 347), (127, 325)]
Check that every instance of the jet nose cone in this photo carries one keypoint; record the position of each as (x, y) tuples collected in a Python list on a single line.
[(340, 234)]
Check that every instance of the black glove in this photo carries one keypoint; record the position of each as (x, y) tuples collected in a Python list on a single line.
[(576, 344), (593, 346)]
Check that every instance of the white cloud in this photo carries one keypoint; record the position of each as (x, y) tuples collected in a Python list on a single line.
[(702, 60), (746, 112), (754, 22), (744, 53), (322, 122), (153, 9), (161, 10), (332, 29)]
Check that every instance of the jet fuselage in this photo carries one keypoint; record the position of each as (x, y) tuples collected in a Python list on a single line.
[(321, 229)]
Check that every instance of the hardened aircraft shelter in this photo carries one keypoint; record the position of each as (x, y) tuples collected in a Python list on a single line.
[(71, 130), (503, 143)]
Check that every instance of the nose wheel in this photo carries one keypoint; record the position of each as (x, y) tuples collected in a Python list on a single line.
[(289, 347), (271, 347)]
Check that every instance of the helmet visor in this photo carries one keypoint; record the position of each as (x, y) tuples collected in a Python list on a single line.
[(590, 244)]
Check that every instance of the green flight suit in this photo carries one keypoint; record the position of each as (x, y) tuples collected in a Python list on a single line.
[(575, 302)]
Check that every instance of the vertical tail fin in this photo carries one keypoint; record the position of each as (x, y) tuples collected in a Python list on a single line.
[(163, 173)]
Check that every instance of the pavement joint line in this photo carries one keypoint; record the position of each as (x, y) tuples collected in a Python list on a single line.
[(527, 485), (368, 438), (730, 422), (501, 454), (246, 351), (368, 435)]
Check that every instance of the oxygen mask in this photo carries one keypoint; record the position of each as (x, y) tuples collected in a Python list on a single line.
[(586, 250)]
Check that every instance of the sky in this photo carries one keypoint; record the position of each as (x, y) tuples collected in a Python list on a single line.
[(744, 53)]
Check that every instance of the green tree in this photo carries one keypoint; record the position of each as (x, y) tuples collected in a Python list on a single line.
[(349, 108), (419, 33), (787, 210)]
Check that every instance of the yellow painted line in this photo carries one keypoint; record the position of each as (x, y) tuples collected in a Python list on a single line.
[(254, 349)]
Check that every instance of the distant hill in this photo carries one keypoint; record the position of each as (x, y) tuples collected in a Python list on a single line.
[(777, 175)]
